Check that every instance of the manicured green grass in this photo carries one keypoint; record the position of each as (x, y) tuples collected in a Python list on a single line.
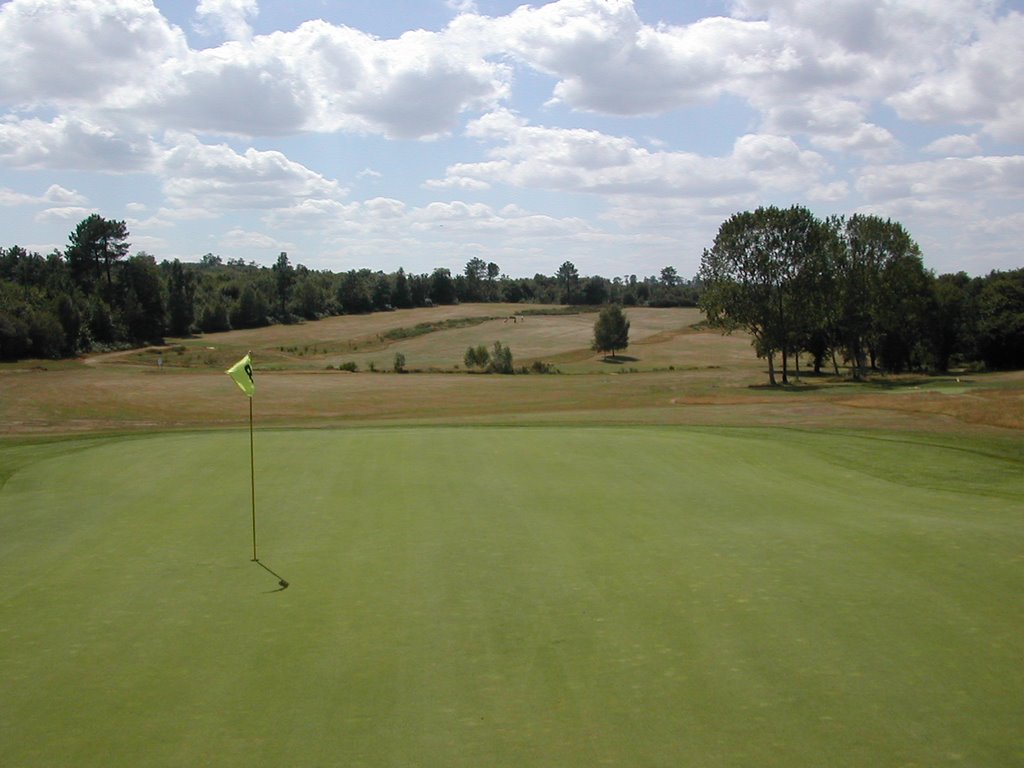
[(635, 596)]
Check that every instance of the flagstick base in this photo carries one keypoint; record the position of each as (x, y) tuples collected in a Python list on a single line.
[(280, 580)]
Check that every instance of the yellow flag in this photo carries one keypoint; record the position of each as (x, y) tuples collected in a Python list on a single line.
[(241, 372)]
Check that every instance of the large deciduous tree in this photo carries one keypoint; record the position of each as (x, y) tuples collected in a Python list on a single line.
[(881, 289), (757, 277)]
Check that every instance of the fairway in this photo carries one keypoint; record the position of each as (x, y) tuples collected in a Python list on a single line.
[(497, 596)]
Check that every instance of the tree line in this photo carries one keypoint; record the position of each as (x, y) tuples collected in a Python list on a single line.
[(94, 296), (854, 289)]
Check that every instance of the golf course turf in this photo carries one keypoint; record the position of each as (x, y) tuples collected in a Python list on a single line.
[(513, 596)]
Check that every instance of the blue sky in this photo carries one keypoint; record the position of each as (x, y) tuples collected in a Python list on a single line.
[(616, 134)]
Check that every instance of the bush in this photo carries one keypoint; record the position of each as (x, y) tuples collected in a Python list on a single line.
[(501, 359), (477, 357), (349, 366)]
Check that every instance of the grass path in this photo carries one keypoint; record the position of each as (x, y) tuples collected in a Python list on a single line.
[(631, 596)]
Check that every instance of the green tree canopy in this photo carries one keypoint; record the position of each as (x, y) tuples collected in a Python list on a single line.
[(755, 276), (93, 248), (611, 330)]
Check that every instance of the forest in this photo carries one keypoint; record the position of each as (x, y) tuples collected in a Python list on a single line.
[(796, 284)]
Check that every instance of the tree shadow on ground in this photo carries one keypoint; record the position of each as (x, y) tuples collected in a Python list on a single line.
[(793, 387), (618, 359)]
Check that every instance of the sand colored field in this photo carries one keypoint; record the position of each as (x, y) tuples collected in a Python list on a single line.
[(674, 372)]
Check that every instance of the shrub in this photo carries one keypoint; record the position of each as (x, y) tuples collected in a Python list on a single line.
[(477, 357), (501, 359)]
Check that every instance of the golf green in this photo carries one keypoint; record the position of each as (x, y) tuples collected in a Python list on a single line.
[(543, 596)]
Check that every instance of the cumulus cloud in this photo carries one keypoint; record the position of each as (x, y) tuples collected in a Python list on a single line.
[(448, 220), (99, 56), (786, 59), (325, 78), (980, 86), (67, 142), (230, 16), (219, 178), (829, 95), (63, 214), (54, 194), (956, 145), (579, 160), (607, 60), (948, 178), (247, 240), (56, 51), (462, 6)]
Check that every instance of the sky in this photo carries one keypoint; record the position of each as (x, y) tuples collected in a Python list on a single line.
[(615, 134)]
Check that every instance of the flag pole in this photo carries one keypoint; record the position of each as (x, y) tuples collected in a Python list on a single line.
[(252, 481), (241, 372)]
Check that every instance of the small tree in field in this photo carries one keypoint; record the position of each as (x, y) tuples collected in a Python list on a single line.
[(501, 359), (477, 357), (611, 331)]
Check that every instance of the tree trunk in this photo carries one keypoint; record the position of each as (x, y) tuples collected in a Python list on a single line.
[(771, 368)]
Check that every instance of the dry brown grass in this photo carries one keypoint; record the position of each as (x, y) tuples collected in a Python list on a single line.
[(674, 374)]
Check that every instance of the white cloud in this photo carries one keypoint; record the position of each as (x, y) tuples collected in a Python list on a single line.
[(818, 103), (948, 178), (454, 223), (216, 177), (72, 143), (956, 145), (833, 123), (577, 160), (787, 59), (55, 51), (325, 78), (63, 214), (462, 6), (103, 55), (231, 16), (981, 86), (9, 198), (607, 60), (245, 240), (236, 89), (54, 194)]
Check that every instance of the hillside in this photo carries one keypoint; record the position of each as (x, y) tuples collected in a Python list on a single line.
[(674, 372)]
